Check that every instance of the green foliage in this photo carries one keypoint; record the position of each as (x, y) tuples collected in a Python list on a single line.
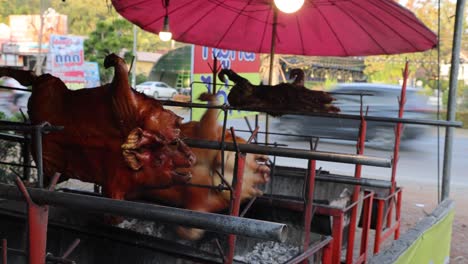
[(141, 78), (329, 83), (83, 15), (110, 36), (9, 152), (461, 116), (116, 36), (17, 7), (386, 69), (423, 65)]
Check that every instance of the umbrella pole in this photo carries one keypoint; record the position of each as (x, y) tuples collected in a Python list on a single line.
[(452, 97), (272, 62), (215, 70)]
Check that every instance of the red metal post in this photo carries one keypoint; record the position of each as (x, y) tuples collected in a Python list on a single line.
[(357, 189), (4, 251), (366, 219), (235, 205), (337, 234), (327, 253), (306, 254), (309, 199), (38, 217), (380, 234), (396, 147), (379, 225), (398, 214)]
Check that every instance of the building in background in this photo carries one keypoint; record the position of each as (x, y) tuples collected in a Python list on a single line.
[(173, 68), (20, 39), (146, 61)]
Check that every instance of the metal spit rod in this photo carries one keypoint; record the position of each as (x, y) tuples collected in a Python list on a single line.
[(17, 126), (209, 221), (414, 121), (294, 153)]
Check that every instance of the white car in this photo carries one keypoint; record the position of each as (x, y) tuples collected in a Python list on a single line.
[(156, 89)]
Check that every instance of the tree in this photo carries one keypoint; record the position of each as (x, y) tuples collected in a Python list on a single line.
[(115, 35), (423, 65), (83, 15), (110, 36)]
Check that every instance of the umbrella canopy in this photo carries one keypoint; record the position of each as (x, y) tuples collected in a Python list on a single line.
[(319, 28)]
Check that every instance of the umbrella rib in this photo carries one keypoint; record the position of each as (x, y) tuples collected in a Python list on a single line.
[(384, 23), (363, 29), (265, 30), (233, 21), (243, 13), (221, 3), (334, 33), (160, 17), (402, 10), (198, 20), (218, 4), (300, 35), (129, 6), (412, 17)]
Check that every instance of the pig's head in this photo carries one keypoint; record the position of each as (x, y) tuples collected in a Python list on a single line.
[(157, 163), (152, 146)]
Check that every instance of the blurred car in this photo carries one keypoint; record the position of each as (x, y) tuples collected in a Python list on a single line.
[(382, 101), (156, 89), (12, 100)]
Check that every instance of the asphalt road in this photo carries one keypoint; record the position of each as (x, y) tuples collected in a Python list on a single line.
[(418, 162)]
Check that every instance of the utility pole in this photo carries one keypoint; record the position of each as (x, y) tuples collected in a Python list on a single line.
[(39, 60), (452, 98), (134, 56)]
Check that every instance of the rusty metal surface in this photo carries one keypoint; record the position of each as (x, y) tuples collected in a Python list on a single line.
[(312, 249), (430, 122), (293, 153), (125, 245), (325, 176), (18, 126), (209, 221)]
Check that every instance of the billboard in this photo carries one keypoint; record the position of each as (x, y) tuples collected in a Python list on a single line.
[(246, 64), (27, 28), (91, 72), (65, 58)]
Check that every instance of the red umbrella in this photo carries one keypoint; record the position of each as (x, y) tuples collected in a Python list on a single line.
[(319, 28)]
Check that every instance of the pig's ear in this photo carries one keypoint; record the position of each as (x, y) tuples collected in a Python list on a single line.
[(136, 150)]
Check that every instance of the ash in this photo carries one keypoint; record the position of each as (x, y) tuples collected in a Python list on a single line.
[(263, 253), (142, 227), (269, 253)]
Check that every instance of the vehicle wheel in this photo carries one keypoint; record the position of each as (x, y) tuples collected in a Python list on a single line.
[(155, 95), (384, 138)]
